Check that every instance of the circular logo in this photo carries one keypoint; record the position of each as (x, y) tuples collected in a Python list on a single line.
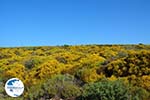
[(14, 87)]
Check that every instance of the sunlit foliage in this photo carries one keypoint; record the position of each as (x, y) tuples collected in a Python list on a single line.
[(78, 72)]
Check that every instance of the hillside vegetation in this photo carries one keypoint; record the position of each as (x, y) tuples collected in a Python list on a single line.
[(84, 72)]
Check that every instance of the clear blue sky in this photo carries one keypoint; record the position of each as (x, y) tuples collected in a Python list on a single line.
[(58, 22)]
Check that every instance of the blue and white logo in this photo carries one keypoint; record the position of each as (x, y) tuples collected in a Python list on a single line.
[(14, 87)]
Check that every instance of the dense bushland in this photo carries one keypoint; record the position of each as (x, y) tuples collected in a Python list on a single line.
[(85, 72)]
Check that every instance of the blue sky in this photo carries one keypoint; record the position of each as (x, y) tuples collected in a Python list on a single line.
[(58, 22)]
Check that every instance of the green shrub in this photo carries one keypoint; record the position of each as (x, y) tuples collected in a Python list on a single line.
[(111, 90), (61, 86)]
